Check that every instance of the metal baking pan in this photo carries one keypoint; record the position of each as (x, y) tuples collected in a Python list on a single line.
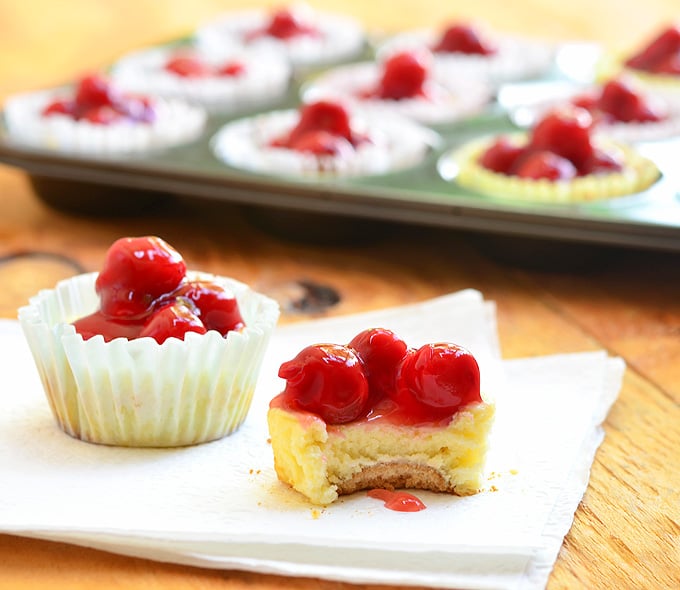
[(419, 195)]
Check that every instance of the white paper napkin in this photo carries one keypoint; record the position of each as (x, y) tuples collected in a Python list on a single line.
[(220, 504)]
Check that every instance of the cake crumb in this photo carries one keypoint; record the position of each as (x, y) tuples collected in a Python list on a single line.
[(493, 489), (514, 472), (269, 441), (316, 513)]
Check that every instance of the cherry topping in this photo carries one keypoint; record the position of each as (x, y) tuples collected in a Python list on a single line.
[(216, 306), (620, 100), (187, 66), (59, 107), (566, 132), (398, 501), (172, 321), (321, 143), (381, 351), (284, 24), (602, 162), (328, 380), (501, 156), (97, 101), (464, 39), (441, 377), (326, 116), (136, 272), (232, 69), (190, 66), (544, 164), (657, 52), (95, 91), (404, 75)]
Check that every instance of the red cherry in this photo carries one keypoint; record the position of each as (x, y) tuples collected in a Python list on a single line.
[(321, 143), (95, 91), (136, 272), (464, 39), (501, 156), (327, 380), (103, 115), (442, 377), (59, 107), (232, 69), (620, 100), (665, 44), (668, 65), (187, 66), (566, 132), (586, 101), (172, 321), (284, 24), (544, 164), (381, 352), (322, 116), (215, 305), (404, 75), (602, 162)]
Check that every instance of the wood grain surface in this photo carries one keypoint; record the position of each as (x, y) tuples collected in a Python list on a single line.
[(551, 298)]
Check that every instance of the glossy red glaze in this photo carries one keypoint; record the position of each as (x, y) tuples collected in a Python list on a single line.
[(188, 66), (328, 380), (620, 100), (376, 378), (381, 352), (501, 156), (566, 131), (322, 119), (143, 291), (398, 501), (216, 306), (544, 164), (659, 51), (465, 39), (172, 321), (404, 75), (284, 24), (97, 101), (136, 272)]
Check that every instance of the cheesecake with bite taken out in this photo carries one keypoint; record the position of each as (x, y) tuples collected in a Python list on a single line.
[(377, 414)]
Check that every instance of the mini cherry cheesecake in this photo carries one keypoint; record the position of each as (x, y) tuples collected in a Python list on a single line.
[(305, 37), (472, 51), (559, 160), (406, 83), (145, 353), (322, 139), (98, 117), (239, 81), (377, 414)]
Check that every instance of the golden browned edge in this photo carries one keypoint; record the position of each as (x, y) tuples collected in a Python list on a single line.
[(395, 475)]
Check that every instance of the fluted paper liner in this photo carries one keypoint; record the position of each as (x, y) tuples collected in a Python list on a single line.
[(138, 392)]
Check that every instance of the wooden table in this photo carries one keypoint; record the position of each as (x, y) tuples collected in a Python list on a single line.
[(627, 529)]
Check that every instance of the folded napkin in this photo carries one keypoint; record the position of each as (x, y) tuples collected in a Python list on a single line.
[(220, 504)]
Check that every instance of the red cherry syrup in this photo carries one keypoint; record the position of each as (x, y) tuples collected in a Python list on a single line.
[(143, 291)]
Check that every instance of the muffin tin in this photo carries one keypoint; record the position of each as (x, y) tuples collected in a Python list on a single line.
[(426, 194)]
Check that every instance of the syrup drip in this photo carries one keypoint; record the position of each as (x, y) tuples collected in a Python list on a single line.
[(398, 501)]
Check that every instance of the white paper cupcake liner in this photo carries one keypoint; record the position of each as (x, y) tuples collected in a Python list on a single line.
[(264, 82), (176, 122), (516, 58), (393, 144), (341, 37), (137, 392), (449, 98)]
